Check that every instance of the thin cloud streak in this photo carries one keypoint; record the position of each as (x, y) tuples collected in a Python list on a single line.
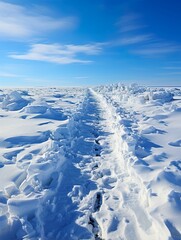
[(172, 68), (129, 23), (173, 73), (79, 78), (156, 49), (60, 54), (17, 22), (141, 43), (10, 75), (131, 40)]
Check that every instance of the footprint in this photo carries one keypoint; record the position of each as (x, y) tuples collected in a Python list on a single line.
[(97, 142), (97, 152), (98, 202), (109, 182), (96, 230), (114, 224), (106, 172), (97, 175), (95, 166)]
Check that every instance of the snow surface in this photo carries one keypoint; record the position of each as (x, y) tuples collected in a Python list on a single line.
[(100, 163)]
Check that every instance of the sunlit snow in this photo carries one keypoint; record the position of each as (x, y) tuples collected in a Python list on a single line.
[(100, 163)]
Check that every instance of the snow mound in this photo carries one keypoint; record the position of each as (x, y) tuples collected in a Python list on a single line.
[(162, 96), (13, 101), (43, 110)]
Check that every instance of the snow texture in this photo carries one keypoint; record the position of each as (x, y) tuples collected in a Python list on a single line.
[(101, 163)]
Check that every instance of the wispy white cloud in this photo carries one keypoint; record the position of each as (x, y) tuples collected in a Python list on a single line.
[(156, 49), (81, 77), (174, 73), (176, 63), (172, 68), (134, 39), (18, 22), (60, 54), (177, 73), (10, 75), (142, 43), (129, 23)]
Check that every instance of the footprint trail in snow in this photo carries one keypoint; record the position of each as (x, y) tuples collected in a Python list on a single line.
[(99, 197)]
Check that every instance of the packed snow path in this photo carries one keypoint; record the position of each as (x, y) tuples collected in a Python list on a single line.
[(99, 197)]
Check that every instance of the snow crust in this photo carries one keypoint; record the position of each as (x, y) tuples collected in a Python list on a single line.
[(100, 163)]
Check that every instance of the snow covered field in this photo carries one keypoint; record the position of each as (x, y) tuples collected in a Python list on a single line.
[(101, 163)]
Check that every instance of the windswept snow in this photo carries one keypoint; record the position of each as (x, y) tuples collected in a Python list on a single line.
[(100, 163)]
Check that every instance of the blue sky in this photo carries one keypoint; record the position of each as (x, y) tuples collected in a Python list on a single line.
[(90, 42)]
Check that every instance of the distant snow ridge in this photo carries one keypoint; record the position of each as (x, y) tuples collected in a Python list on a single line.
[(134, 93)]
